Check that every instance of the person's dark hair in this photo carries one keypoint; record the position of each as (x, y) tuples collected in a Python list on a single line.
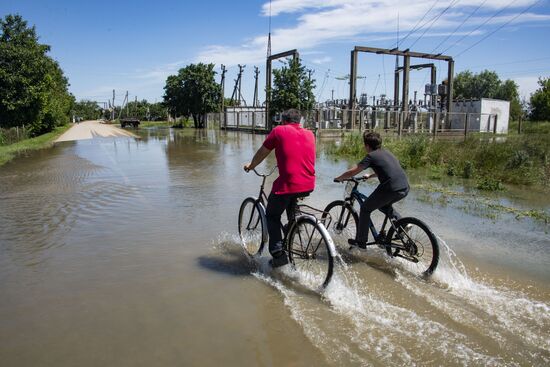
[(373, 140), (292, 115)]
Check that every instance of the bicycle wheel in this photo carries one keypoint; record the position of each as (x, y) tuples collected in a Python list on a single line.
[(341, 221), (415, 243), (252, 226), (309, 252)]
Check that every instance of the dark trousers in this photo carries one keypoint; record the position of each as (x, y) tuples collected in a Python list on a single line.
[(276, 205), (382, 199)]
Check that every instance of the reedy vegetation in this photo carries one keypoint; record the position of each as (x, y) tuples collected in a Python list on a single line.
[(516, 159)]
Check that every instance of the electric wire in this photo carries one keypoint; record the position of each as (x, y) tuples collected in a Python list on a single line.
[(499, 28), (416, 25), (459, 26), (453, 3), (479, 26)]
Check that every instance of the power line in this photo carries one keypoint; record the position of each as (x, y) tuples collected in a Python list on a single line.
[(479, 26), (454, 2), (416, 25), (499, 28), (512, 62), (460, 25)]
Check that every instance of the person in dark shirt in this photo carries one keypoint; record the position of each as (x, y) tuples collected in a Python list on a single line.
[(393, 186)]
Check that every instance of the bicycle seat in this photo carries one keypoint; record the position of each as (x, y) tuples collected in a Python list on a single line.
[(303, 195)]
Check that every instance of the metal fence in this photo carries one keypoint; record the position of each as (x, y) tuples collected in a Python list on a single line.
[(336, 119), (399, 122), (239, 118), (13, 135)]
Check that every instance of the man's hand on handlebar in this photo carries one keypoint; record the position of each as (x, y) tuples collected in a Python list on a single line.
[(247, 168)]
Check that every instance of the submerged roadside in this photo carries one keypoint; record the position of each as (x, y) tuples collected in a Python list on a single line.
[(9, 152)]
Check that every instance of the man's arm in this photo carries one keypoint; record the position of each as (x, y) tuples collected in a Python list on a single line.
[(257, 159), (350, 172)]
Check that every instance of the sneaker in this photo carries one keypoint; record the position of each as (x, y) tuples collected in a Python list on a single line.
[(279, 260), (360, 244)]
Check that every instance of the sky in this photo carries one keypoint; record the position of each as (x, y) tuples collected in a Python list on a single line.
[(134, 45)]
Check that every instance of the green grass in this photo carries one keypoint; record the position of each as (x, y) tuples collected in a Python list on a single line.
[(530, 127), (515, 159), (155, 124), (8, 152)]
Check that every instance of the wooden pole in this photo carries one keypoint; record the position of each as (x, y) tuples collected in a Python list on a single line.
[(466, 122)]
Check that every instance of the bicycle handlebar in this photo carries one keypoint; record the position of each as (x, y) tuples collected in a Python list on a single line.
[(353, 179), (264, 174)]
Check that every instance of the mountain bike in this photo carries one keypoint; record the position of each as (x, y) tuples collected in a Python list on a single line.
[(306, 240), (408, 238)]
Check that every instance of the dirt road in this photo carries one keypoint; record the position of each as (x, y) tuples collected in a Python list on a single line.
[(93, 129)]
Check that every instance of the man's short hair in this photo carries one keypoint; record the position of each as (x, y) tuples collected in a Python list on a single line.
[(292, 115), (373, 140)]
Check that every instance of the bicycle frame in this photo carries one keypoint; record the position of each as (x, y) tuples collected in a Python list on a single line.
[(356, 195), (295, 213)]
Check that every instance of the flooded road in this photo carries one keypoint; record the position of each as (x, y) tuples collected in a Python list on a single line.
[(123, 252)]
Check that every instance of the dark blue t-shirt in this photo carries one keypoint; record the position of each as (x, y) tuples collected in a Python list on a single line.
[(387, 168)]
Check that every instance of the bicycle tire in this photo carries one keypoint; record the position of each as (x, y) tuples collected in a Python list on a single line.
[(309, 251), (423, 246), (341, 221), (252, 226)]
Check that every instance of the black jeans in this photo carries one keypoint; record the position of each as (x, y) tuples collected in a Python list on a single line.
[(382, 199), (276, 205)]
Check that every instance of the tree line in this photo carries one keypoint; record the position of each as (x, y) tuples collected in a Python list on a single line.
[(33, 89), (143, 110), (487, 84), (194, 92)]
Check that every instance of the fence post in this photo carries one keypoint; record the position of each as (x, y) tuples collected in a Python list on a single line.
[(436, 121), (466, 122), (495, 127), (399, 123)]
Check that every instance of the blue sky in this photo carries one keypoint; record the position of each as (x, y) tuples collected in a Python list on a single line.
[(135, 45)]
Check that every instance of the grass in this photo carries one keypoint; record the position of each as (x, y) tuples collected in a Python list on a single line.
[(155, 124), (9, 152), (515, 159), (530, 127)]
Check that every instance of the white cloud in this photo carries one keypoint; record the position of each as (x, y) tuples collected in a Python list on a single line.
[(320, 22), (321, 60)]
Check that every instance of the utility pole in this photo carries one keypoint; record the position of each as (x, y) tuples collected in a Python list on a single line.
[(256, 102), (237, 88), (113, 106), (241, 69), (332, 95), (222, 83)]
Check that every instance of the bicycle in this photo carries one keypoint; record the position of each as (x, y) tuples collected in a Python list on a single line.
[(306, 241), (408, 238)]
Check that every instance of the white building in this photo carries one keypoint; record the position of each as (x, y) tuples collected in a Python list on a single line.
[(481, 115)]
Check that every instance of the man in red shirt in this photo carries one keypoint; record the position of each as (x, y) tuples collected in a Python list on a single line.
[(295, 153)]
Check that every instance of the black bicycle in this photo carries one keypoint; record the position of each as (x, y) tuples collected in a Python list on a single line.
[(306, 240), (408, 238)]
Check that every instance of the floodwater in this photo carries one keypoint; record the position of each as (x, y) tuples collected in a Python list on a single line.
[(123, 252)]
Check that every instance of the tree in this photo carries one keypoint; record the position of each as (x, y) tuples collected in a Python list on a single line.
[(292, 88), (508, 91), (193, 92), (33, 89), (86, 110), (487, 84), (540, 101)]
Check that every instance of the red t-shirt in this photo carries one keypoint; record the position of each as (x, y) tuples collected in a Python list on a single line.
[(295, 153)]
